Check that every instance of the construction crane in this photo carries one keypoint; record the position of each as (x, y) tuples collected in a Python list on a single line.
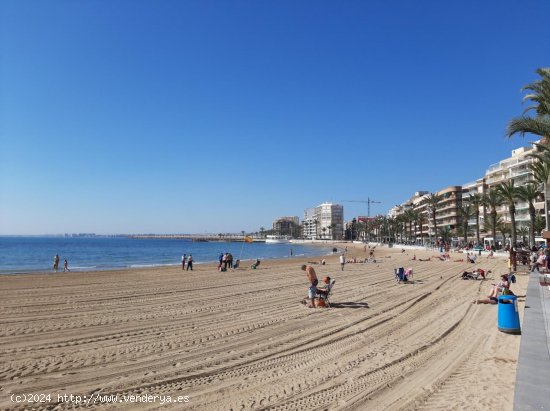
[(368, 202)]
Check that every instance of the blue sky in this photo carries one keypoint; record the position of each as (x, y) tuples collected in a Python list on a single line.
[(219, 116)]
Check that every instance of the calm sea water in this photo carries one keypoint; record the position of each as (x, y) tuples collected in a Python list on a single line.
[(35, 254)]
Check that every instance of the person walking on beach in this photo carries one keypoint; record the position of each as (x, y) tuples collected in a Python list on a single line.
[(190, 262), (56, 263), (183, 259), (342, 261), (66, 266), (312, 278)]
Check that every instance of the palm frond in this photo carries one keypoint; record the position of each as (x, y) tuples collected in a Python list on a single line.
[(528, 125)]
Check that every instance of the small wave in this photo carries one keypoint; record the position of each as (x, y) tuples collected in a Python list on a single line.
[(83, 268)]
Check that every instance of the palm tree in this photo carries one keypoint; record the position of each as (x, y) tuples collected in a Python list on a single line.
[(324, 229), (503, 227), (540, 96), (316, 222), (409, 218), (465, 214), (476, 200), (493, 200), (523, 232), (530, 193), (509, 193), (541, 173), (421, 220), (445, 234), (540, 223), (433, 200)]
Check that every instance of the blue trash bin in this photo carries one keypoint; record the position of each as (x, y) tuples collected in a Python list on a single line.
[(508, 316)]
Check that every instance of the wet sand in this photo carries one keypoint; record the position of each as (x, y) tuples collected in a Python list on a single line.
[(241, 339)]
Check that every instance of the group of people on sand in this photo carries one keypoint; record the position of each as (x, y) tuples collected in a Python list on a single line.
[(187, 262), (56, 264), (225, 261)]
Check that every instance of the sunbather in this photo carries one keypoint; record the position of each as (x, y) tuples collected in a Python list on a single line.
[(488, 300), (503, 287)]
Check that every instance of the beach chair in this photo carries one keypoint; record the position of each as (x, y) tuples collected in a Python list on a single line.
[(325, 297), (400, 274)]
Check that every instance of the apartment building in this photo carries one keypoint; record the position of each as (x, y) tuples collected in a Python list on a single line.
[(287, 226), (516, 167), (326, 221)]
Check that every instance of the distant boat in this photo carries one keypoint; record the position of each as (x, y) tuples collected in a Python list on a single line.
[(277, 239)]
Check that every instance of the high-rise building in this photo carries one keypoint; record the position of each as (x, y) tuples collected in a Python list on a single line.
[(326, 221)]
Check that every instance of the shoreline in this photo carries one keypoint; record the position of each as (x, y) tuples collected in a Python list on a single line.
[(340, 245)]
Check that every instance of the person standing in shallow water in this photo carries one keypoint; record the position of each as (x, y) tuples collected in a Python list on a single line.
[(183, 258), (66, 266)]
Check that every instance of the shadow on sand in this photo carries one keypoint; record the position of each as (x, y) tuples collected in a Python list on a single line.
[(349, 304)]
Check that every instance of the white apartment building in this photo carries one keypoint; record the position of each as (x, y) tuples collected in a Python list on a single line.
[(517, 168), (326, 221)]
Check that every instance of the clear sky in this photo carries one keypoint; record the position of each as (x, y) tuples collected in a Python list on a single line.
[(220, 116)]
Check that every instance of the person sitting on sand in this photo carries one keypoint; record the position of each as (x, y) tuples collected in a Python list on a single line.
[(414, 258), (488, 300), (503, 287), (313, 281)]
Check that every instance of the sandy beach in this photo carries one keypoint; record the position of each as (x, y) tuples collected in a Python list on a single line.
[(239, 340)]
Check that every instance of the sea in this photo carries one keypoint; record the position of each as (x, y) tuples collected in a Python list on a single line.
[(36, 254)]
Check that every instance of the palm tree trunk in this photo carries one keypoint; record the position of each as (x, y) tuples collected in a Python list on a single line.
[(532, 225), (494, 226), (546, 206), (435, 228), (513, 220), (477, 226)]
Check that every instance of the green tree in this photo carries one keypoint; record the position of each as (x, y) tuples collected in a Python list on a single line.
[(433, 200), (476, 200), (504, 228), (540, 223), (465, 213), (445, 234), (539, 95), (510, 193), (421, 220), (529, 193), (493, 200), (541, 173)]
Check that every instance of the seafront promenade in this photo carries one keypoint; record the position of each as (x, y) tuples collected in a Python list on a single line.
[(532, 390)]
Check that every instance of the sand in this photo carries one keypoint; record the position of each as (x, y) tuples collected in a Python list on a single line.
[(241, 339)]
